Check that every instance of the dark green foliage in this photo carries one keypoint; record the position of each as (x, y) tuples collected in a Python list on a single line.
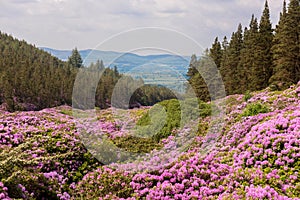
[(149, 95), (255, 109), (31, 79), (215, 52), (136, 144), (75, 59), (197, 85), (256, 58), (262, 70), (204, 79), (204, 109), (248, 57), (286, 49), (88, 164), (94, 86), (106, 86), (229, 68), (128, 92)]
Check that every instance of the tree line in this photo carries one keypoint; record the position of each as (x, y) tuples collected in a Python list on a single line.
[(255, 57)]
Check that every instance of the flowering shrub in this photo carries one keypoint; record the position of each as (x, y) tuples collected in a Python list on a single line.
[(256, 156), (3, 192), (103, 182), (40, 154)]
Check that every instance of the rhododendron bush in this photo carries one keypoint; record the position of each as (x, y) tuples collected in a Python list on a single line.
[(256, 156)]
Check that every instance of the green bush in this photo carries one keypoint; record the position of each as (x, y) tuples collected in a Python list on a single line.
[(254, 109), (177, 113), (247, 95), (172, 121), (136, 144)]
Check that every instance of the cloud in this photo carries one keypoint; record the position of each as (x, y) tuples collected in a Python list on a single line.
[(23, 1), (170, 6), (63, 24)]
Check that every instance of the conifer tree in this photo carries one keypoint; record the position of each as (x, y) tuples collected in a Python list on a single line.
[(229, 68), (286, 53), (215, 52), (75, 59), (192, 66), (197, 84), (262, 69), (224, 59), (248, 52), (225, 45), (100, 65)]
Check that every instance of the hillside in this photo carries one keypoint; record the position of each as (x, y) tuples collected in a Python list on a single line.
[(32, 79), (255, 157)]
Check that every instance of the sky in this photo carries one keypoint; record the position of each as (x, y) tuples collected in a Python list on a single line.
[(183, 26)]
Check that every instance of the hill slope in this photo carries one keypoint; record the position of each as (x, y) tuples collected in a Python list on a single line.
[(32, 79), (256, 157)]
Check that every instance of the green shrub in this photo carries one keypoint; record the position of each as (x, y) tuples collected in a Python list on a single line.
[(205, 109), (254, 109), (136, 144), (176, 113), (247, 95), (172, 121)]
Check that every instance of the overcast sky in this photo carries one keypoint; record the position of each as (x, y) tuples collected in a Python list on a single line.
[(64, 24)]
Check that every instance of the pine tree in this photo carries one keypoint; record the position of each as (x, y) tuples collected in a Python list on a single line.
[(247, 56), (192, 66), (215, 52), (286, 53), (229, 67), (100, 65), (191, 73), (197, 85), (224, 59), (75, 59), (225, 45), (262, 69), (293, 38)]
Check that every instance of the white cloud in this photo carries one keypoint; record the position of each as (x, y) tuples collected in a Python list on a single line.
[(64, 24), (170, 6)]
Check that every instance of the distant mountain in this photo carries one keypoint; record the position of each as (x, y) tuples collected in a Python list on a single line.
[(163, 69), (126, 61)]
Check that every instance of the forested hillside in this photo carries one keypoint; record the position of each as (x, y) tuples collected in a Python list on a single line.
[(31, 79), (255, 57)]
